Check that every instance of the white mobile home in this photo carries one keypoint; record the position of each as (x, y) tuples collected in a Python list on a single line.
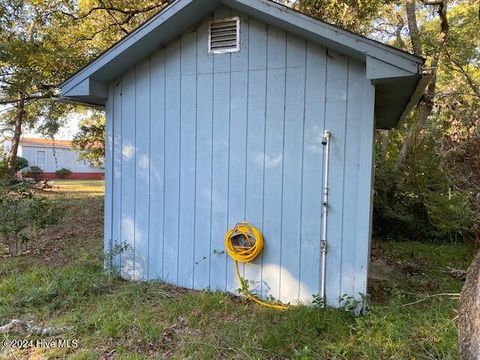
[(223, 111), (52, 155)]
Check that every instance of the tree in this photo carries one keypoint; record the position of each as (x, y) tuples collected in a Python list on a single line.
[(469, 314), (352, 15), (90, 140), (21, 163), (43, 41), (33, 62)]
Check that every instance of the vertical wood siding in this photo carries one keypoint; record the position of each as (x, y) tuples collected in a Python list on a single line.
[(198, 143)]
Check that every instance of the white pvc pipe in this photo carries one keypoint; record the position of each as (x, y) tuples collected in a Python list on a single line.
[(323, 243)]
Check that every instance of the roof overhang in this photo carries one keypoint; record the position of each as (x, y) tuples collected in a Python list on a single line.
[(397, 75)]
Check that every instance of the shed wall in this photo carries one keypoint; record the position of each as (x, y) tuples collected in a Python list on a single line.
[(198, 142)]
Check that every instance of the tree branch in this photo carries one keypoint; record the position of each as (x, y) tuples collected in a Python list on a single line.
[(442, 13), (398, 32), (110, 8), (28, 98), (427, 297), (110, 13), (459, 68), (432, 2)]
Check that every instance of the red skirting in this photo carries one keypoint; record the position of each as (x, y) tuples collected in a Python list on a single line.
[(74, 176)]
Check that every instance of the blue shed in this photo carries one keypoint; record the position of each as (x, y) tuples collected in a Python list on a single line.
[(223, 111)]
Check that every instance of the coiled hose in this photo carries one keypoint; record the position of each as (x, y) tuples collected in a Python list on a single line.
[(244, 243)]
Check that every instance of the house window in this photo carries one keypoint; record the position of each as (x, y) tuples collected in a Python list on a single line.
[(41, 158), (82, 162), (224, 36)]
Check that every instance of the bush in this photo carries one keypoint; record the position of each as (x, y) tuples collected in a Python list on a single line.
[(22, 213), (3, 169), (63, 173), (419, 201), (33, 172), (22, 163)]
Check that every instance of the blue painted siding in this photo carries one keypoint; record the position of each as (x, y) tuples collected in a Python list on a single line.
[(201, 142), (157, 165), (108, 221), (128, 174)]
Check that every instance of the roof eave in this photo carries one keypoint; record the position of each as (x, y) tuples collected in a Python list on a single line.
[(180, 9), (422, 84), (88, 85)]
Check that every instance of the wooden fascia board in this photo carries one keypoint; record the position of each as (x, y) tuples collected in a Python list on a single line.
[(330, 36), (124, 44), (377, 69), (336, 38), (416, 96), (88, 88), (99, 104)]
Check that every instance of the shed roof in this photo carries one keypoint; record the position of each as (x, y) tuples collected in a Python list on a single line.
[(397, 75)]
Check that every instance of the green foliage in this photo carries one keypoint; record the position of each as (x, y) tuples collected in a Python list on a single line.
[(418, 201), (352, 305), (33, 171), (32, 62), (432, 195), (22, 163), (42, 42), (318, 301), (90, 140), (22, 213), (349, 14), (109, 313), (54, 289), (63, 173)]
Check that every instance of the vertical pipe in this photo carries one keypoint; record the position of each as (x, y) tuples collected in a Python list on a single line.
[(323, 243)]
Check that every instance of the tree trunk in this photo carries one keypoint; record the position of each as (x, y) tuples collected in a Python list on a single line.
[(384, 136), (425, 107), (423, 111), (413, 27), (469, 314), (12, 155)]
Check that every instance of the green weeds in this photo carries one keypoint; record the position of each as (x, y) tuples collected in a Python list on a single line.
[(138, 320)]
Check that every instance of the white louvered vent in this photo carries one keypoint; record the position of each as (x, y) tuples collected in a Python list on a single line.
[(224, 36)]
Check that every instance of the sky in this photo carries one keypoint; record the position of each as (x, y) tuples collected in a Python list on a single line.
[(66, 132)]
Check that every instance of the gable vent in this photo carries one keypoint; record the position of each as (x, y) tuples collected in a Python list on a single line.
[(224, 36)]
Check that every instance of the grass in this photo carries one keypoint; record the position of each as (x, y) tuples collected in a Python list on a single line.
[(63, 283), (85, 187)]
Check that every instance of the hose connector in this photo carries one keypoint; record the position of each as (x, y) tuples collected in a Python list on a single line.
[(326, 137), (323, 246)]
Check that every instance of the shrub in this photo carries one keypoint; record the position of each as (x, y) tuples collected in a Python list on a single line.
[(33, 172), (63, 173), (22, 163), (419, 201), (22, 213), (3, 169)]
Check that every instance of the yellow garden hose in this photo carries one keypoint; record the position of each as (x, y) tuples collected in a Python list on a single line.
[(244, 243)]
